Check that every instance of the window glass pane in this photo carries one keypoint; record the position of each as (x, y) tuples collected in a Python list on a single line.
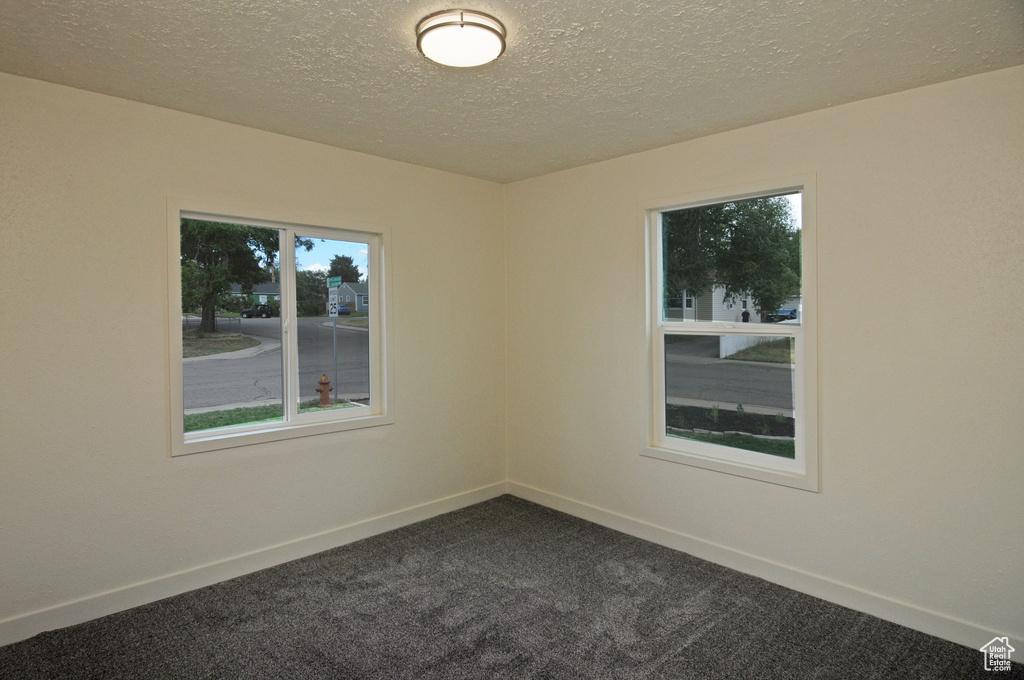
[(332, 349), (733, 390), (231, 325), (733, 262)]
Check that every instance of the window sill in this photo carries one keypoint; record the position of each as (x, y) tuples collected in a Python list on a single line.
[(784, 472), (215, 440)]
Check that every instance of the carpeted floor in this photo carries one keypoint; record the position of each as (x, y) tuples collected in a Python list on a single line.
[(503, 589)]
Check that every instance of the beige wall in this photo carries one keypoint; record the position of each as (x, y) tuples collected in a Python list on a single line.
[(921, 371), (920, 197), (89, 499)]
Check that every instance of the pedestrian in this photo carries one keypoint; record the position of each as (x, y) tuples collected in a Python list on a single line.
[(746, 316)]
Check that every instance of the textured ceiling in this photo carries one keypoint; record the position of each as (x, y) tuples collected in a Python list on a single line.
[(581, 81)]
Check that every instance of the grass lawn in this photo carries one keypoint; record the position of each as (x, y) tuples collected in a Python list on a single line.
[(194, 344), (355, 320), (251, 415), (724, 420), (247, 415), (780, 351), (775, 447)]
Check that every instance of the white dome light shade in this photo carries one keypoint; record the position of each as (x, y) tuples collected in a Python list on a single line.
[(460, 37)]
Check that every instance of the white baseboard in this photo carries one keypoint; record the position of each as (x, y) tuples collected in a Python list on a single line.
[(94, 606), (902, 613)]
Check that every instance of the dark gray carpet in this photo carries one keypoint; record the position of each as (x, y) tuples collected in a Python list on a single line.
[(503, 589)]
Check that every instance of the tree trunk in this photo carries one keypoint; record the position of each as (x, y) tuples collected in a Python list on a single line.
[(209, 322)]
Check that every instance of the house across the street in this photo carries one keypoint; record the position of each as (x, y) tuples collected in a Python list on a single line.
[(355, 295), (715, 306), (261, 294)]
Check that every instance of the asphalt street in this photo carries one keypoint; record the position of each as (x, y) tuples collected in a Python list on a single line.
[(693, 372), (255, 376)]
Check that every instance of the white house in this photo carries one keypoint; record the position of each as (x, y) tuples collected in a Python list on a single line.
[(716, 306), (711, 306)]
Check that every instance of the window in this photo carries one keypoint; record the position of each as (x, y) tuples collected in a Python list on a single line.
[(257, 355), (734, 390)]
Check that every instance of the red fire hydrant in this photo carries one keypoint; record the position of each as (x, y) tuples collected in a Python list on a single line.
[(325, 391)]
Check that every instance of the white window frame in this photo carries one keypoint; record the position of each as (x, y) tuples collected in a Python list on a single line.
[(801, 472), (294, 424)]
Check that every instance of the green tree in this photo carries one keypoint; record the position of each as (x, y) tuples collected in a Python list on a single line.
[(748, 247), (345, 267), (215, 255), (691, 241), (763, 255), (311, 292)]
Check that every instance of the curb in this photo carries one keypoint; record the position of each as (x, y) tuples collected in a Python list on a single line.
[(264, 346)]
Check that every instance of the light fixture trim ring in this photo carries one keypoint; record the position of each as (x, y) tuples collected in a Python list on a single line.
[(461, 17)]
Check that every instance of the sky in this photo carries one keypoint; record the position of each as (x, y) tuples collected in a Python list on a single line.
[(319, 259), (795, 206)]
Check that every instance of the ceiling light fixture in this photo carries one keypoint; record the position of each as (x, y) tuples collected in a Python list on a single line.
[(460, 37)]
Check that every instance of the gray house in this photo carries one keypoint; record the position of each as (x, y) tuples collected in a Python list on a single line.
[(355, 295)]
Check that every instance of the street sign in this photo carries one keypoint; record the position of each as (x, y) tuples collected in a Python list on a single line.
[(332, 304), (333, 281)]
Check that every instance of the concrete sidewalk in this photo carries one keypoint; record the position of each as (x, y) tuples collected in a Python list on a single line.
[(728, 406)]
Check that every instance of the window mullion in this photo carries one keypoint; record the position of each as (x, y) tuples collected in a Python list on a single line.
[(374, 321), (720, 328), (289, 328)]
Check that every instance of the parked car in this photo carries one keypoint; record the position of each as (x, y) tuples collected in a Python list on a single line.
[(262, 311), (344, 310), (781, 315)]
